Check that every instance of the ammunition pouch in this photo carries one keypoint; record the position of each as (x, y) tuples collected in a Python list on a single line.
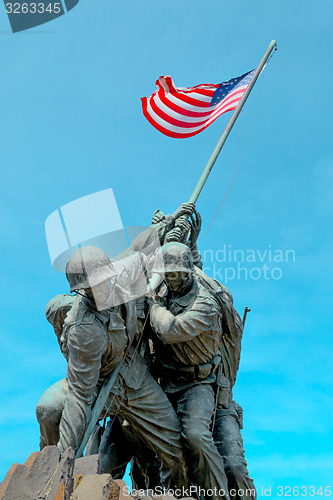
[(239, 411), (223, 389)]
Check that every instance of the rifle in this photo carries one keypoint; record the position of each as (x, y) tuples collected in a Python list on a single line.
[(98, 407), (102, 398), (246, 310)]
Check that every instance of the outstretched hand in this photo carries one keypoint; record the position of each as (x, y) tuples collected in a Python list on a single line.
[(195, 227), (158, 216), (176, 234), (184, 209), (184, 224)]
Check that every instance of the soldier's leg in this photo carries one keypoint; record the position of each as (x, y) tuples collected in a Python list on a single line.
[(120, 446), (229, 442), (150, 414), (115, 450), (145, 469), (195, 409), (48, 411)]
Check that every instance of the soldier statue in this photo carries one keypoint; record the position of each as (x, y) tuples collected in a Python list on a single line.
[(187, 424), (95, 338), (186, 321), (197, 339)]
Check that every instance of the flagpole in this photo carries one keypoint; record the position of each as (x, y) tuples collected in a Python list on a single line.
[(227, 130)]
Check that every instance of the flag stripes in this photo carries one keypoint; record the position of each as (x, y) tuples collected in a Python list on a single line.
[(184, 112)]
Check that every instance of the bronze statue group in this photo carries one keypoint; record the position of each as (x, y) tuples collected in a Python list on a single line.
[(172, 337)]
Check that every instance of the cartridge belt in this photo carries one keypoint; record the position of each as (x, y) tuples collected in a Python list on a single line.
[(189, 372)]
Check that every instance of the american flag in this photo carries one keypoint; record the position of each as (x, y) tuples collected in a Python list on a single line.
[(183, 112)]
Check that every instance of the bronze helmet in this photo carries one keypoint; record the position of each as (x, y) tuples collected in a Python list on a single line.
[(88, 266), (176, 257)]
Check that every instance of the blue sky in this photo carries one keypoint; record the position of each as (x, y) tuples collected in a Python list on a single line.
[(71, 125)]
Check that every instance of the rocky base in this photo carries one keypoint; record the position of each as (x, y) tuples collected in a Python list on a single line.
[(48, 476)]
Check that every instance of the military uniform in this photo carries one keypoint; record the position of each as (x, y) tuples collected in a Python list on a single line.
[(229, 420), (94, 343), (229, 442), (187, 328)]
